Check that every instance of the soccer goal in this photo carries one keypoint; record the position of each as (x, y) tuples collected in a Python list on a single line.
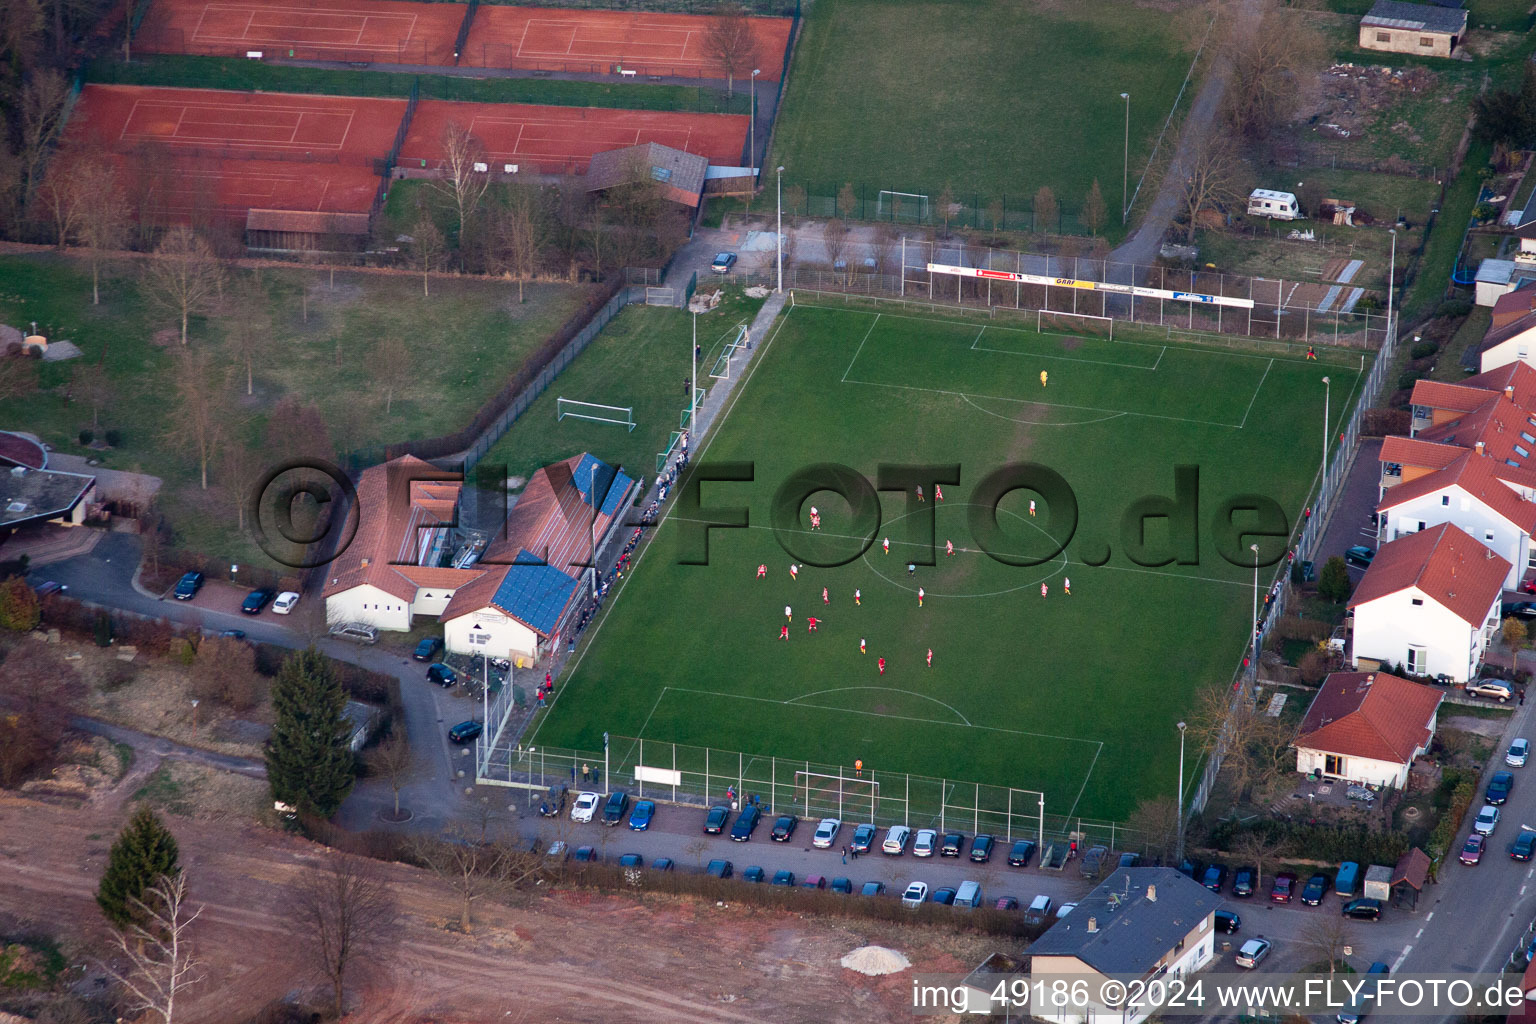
[(822, 793), (623, 415), (908, 206), (738, 343), (1077, 325)]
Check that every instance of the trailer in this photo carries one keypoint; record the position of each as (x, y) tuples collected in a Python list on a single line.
[(1263, 202), (1378, 883), (1054, 857)]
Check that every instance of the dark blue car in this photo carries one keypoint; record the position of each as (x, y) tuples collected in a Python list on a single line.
[(640, 817), (1498, 787)]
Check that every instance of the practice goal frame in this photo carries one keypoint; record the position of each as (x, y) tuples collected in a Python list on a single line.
[(722, 367), (1099, 326), (850, 794), (571, 407), (895, 203)]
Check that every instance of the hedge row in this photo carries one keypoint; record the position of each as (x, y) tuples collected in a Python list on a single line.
[(1332, 843)]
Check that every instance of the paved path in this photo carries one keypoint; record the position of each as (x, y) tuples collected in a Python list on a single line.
[(162, 747)]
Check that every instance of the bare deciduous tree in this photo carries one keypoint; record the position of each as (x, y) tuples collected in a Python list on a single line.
[(342, 910), (1211, 173), (1267, 57), (89, 383), (43, 97), (198, 427), (475, 868), (834, 235), (183, 277), (104, 227), (519, 235), (240, 467), (1259, 851), (1046, 210), (78, 176), (1156, 821), (946, 206), (730, 45), (1327, 935), (18, 376), (794, 200), (393, 367), (161, 963), (392, 761), (250, 323), (1218, 718), (426, 248), (1095, 213), (466, 175), (847, 201)]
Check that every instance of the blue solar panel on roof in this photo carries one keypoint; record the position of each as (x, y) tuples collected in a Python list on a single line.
[(534, 592)]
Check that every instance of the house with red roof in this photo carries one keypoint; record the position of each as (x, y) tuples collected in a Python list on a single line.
[(1367, 727), (1429, 602)]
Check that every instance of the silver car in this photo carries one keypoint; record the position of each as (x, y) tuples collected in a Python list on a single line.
[(826, 832), (925, 842), (896, 840)]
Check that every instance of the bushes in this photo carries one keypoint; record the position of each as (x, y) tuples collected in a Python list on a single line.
[(1450, 822), (1454, 308), (1316, 842), (1423, 350), (20, 609)]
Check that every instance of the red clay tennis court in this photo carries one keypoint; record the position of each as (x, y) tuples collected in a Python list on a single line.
[(551, 39), (353, 30), (562, 140)]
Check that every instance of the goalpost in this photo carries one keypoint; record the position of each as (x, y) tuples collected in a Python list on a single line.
[(854, 796), (593, 411), (901, 206), (1052, 321), (722, 368)]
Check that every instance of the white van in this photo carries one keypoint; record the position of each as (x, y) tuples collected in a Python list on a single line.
[(968, 895), (1263, 202)]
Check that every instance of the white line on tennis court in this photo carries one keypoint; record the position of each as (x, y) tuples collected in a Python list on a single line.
[(892, 689), (1256, 390), (861, 345)]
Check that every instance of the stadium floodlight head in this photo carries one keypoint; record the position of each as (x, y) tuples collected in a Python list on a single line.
[(756, 72), (781, 168), (1125, 95)]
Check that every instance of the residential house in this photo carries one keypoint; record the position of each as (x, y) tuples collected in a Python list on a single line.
[(537, 575), (1423, 29), (1140, 922), (1429, 601), (401, 561), (1367, 727), (1514, 340)]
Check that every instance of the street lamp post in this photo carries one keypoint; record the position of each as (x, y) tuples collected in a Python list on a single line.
[(1391, 276), (752, 122), (1125, 168), (1323, 479), (778, 238), (1255, 549), (1179, 855), (592, 533)]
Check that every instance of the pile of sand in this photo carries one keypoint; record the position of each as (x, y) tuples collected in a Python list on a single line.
[(875, 960)]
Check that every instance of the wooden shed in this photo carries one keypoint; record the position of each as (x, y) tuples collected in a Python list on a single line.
[(306, 231)]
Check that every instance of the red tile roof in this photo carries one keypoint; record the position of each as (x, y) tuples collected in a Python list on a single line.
[(1445, 565), (393, 501), (1519, 374), (1498, 423), (1369, 714), (1413, 451), (1481, 477), (1515, 304), (1439, 394)]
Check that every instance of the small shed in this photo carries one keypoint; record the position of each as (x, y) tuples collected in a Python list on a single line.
[(1409, 876), (1425, 29), (681, 174), (306, 231)]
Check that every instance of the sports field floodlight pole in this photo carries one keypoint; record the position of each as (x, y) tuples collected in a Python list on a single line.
[(752, 122), (1391, 274), (592, 532), (779, 237), (1125, 168), (693, 382), (1179, 853), (1255, 549), (1323, 478)]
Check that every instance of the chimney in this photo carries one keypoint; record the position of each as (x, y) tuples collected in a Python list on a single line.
[(1479, 447), (1151, 894), (1370, 679), (365, 563), (1509, 392), (1093, 925)]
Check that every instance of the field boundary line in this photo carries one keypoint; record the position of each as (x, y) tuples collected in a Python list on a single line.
[(1262, 378), (860, 349), (1050, 405), (1088, 775), (894, 689), (1066, 359)]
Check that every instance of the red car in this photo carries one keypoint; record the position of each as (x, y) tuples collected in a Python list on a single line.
[(1284, 889), (1473, 851), (1529, 586)]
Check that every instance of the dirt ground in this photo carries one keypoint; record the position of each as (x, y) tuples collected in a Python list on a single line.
[(568, 956)]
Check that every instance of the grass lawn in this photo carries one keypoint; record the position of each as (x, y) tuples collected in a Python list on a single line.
[(1076, 696), (191, 72), (1470, 333), (465, 340), (990, 98), (640, 360)]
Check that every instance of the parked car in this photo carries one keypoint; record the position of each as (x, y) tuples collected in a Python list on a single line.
[(233, 634), (1130, 860), (981, 849), (1283, 890), (1472, 850), (1252, 953), (255, 601), (714, 821), (723, 263), (285, 602), (1487, 820), (1093, 861), (923, 846), (951, 844), (613, 810), (826, 832), (640, 818), (753, 874), (47, 587), (1065, 909), (1039, 910), (1227, 922), (357, 632), (464, 732), (557, 850), (1006, 903), (1316, 887), (872, 889), (746, 823), (554, 801), (585, 855), (784, 828), (842, 886), (1490, 689), (1190, 869), (585, 806), (1362, 909), (783, 876), (1215, 877), (1499, 785), (1360, 555), (1519, 609), (441, 674), (188, 586), (1020, 852), (944, 895), (814, 882), (661, 864), (896, 840), (428, 648), (1523, 846), (916, 893), (863, 839), (1518, 752), (1242, 883), (631, 860), (720, 869)]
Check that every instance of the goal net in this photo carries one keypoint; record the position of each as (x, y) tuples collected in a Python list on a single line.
[(898, 206), (822, 792), (623, 415), (738, 343), (1077, 325)]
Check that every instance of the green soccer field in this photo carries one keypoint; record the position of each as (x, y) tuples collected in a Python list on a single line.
[(1076, 696)]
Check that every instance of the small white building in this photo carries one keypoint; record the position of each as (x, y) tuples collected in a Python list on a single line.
[(1496, 278), (1263, 202), (1430, 602), (1490, 501), (1142, 922), (1427, 30), (1367, 727)]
